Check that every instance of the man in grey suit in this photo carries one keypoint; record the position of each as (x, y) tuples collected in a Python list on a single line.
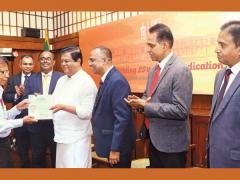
[(224, 126), (166, 102)]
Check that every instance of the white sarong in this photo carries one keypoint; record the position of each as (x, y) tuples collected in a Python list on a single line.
[(74, 155)]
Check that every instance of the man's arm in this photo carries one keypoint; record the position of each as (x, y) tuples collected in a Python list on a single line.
[(9, 93), (180, 103)]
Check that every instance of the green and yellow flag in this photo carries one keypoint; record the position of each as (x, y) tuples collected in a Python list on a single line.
[(46, 41)]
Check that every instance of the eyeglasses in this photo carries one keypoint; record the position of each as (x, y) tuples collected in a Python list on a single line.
[(48, 59)]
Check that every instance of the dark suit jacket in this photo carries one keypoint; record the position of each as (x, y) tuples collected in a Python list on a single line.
[(113, 126), (35, 86), (9, 93), (224, 130), (169, 107)]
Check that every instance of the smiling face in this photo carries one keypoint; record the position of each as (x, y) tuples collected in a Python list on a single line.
[(69, 66), (46, 62), (97, 61), (26, 65), (227, 51)]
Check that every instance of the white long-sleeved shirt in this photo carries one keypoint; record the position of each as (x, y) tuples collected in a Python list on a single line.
[(80, 91), (7, 121)]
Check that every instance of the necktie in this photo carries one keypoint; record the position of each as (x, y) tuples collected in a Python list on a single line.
[(223, 88), (25, 80), (45, 84), (152, 87), (99, 89)]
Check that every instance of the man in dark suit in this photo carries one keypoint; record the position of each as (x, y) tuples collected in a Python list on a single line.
[(13, 94), (113, 126), (166, 102), (42, 134), (224, 128)]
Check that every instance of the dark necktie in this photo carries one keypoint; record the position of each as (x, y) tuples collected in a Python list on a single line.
[(26, 80), (152, 87), (223, 88)]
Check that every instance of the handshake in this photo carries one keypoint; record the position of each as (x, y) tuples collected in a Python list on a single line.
[(26, 119)]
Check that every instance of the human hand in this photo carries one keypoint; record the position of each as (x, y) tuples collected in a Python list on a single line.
[(114, 157), (29, 120), (19, 90), (57, 108), (136, 102)]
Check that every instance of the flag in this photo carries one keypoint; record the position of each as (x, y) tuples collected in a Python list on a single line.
[(46, 41)]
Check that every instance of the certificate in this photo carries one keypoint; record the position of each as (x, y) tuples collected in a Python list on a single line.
[(39, 107)]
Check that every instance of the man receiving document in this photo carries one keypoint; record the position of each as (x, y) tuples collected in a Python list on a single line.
[(39, 106)]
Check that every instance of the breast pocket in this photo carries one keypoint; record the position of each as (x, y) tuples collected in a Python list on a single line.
[(235, 155)]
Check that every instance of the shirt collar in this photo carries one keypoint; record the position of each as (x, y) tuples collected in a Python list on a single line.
[(23, 75), (165, 60), (106, 73), (80, 71), (49, 74), (235, 69)]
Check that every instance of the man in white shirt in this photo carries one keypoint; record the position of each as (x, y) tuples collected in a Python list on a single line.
[(6, 117), (74, 98), (14, 94)]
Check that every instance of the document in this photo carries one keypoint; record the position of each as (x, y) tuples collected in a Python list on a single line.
[(39, 107)]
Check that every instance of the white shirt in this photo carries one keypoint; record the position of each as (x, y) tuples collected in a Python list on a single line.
[(7, 121), (22, 83), (23, 77), (80, 91), (106, 73), (235, 70), (165, 60)]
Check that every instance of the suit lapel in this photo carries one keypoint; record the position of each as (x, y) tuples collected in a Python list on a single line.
[(231, 90), (217, 88), (52, 83), (39, 83), (163, 72), (104, 85), (18, 79)]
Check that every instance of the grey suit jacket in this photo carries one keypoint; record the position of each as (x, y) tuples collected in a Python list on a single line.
[(224, 129), (169, 107)]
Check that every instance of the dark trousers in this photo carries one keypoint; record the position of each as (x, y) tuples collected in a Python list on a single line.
[(160, 159), (5, 153), (23, 144), (40, 142), (125, 161)]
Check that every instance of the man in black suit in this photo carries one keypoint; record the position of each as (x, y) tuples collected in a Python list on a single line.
[(13, 94)]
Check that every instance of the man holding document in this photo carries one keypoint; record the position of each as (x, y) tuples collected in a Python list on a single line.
[(74, 97), (43, 84), (7, 121)]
